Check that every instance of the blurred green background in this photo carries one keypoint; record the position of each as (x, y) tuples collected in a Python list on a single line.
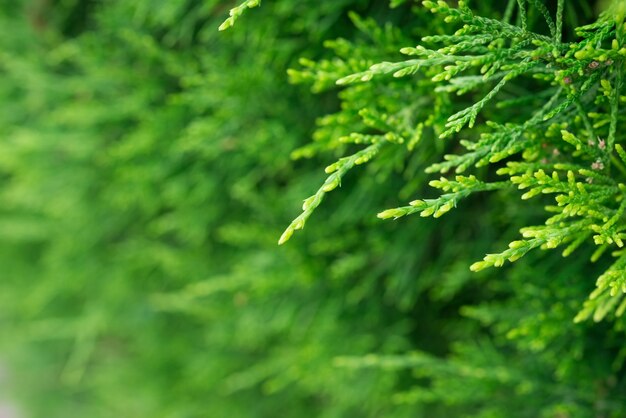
[(145, 177)]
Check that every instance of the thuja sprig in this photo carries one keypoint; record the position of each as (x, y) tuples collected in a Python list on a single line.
[(468, 116), (458, 189), (336, 170), (614, 93), (568, 146), (502, 142), (609, 293), (559, 21), (428, 58), (236, 12), (464, 14), (590, 203), (545, 236)]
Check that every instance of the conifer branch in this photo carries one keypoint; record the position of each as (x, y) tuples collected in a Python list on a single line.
[(559, 21), (459, 189), (337, 171), (237, 11), (563, 141)]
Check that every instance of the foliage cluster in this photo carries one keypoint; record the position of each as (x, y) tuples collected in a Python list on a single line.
[(145, 178)]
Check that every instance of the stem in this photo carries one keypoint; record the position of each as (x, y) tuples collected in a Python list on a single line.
[(559, 21), (610, 141)]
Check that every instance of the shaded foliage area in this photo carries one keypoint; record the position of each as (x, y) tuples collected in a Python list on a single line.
[(145, 178)]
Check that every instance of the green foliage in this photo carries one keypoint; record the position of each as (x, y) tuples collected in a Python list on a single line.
[(583, 80), (235, 12), (145, 177)]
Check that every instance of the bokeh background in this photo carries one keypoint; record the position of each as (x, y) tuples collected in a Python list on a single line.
[(148, 165)]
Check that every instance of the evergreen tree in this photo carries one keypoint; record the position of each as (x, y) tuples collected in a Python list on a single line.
[(146, 175)]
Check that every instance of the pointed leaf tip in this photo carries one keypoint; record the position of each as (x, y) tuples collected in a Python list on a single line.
[(285, 236)]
